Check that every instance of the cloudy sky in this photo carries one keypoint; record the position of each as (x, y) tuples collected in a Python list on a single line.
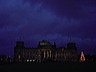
[(61, 21)]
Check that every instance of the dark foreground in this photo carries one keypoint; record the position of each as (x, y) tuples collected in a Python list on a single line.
[(49, 67)]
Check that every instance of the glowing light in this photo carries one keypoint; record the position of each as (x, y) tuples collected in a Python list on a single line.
[(47, 54), (19, 56), (62, 49), (33, 60), (82, 58), (27, 60), (50, 54), (42, 43), (44, 54), (30, 60), (39, 55)]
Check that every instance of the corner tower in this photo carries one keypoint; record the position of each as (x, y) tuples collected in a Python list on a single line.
[(18, 50)]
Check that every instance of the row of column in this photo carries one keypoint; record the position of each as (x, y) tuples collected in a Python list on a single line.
[(47, 54)]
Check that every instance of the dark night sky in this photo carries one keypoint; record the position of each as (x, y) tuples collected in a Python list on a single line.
[(52, 20)]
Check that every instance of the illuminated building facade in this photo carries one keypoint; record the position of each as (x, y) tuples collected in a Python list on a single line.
[(44, 52)]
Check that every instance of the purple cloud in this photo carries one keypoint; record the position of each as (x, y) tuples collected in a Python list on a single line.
[(53, 20)]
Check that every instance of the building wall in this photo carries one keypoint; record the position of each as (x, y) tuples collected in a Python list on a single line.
[(45, 52)]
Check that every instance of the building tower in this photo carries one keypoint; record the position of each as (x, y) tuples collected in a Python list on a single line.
[(55, 44), (71, 46), (18, 50)]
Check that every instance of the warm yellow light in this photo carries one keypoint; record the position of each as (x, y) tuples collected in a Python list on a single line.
[(19, 56), (50, 54), (62, 49), (82, 58), (30, 60), (44, 54), (39, 55)]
